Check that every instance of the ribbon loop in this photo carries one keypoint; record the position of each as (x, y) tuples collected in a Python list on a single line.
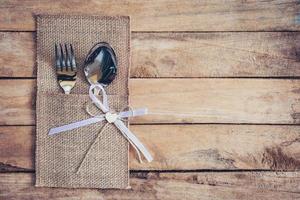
[(101, 105)]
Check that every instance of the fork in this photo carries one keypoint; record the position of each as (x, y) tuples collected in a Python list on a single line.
[(65, 67)]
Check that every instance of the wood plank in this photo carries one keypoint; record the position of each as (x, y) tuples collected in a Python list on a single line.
[(206, 186), (267, 101), (183, 147), (164, 15), (17, 146), (215, 54), (17, 102), (17, 55), (259, 101), (251, 54)]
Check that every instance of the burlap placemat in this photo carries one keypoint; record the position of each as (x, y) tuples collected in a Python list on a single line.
[(59, 156)]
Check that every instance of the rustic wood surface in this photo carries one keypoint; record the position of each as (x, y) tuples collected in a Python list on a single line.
[(181, 147), (259, 101), (164, 15), (231, 70), (171, 186), (235, 54)]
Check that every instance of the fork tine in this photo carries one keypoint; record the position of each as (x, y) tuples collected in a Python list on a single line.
[(72, 58), (62, 59), (68, 63), (57, 58), (66, 75)]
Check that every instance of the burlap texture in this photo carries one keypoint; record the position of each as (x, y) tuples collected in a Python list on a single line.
[(59, 156)]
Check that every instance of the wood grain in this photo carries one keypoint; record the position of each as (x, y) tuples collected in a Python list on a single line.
[(17, 102), (17, 146), (259, 101), (206, 186), (183, 147), (164, 15), (215, 54), (17, 55), (251, 54), (267, 101)]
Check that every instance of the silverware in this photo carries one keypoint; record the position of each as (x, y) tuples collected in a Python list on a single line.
[(65, 67), (100, 65)]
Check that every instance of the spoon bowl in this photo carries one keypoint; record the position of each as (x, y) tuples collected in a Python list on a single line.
[(100, 65)]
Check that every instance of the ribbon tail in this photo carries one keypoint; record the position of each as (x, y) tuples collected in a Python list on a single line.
[(74, 125), (133, 140), (133, 113)]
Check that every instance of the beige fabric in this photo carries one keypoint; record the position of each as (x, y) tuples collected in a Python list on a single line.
[(59, 156)]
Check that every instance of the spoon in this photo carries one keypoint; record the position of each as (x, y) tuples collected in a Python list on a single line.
[(100, 65)]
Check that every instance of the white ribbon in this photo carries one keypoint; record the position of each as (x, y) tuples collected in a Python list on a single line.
[(110, 118)]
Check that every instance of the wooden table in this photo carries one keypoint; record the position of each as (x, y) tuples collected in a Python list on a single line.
[(232, 66)]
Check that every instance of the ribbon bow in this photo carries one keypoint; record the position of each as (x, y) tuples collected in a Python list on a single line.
[(115, 118)]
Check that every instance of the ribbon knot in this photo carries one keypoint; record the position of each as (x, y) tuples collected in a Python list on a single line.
[(111, 118)]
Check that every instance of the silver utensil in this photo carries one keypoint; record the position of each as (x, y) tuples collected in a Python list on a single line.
[(100, 65), (65, 67)]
